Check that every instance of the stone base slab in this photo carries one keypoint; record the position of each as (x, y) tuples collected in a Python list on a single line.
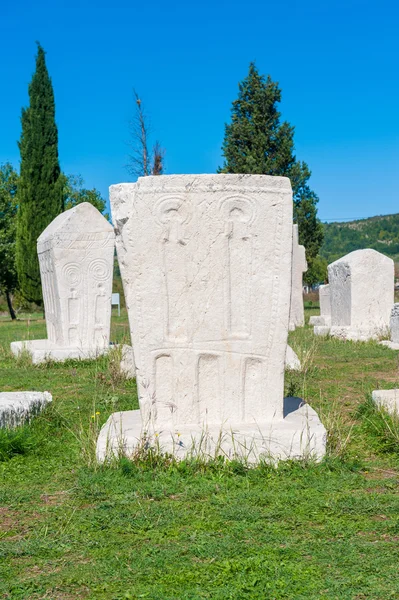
[(322, 330), (348, 333), (42, 350), (388, 399), (17, 408), (389, 344), (300, 434)]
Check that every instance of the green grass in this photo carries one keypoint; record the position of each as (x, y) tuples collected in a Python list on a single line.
[(70, 529)]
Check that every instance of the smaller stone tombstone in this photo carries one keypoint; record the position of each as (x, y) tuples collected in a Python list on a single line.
[(76, 253), (324, 319), (394, 323), (361, 294), (299, 267), (393, 342)]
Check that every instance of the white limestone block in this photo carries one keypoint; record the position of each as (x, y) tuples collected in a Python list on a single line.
[(292, 362), (388, 399), (299, 435), (322, 330), (299, 267), (361, 293), (17, 408), (394, 324), (316, 320), (76, 253), (128, 366), (389, 344), (44, 350), (206, 268)]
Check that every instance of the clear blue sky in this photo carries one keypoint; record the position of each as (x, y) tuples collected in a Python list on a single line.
[(336, 61)]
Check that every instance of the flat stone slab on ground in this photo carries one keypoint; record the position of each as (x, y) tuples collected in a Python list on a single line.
[(299, 435), (389, 344), (42, 350), (388, 399), (17, 408)]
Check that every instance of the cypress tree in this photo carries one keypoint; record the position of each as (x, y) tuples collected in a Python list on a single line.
[(256, 141), (40, 187)]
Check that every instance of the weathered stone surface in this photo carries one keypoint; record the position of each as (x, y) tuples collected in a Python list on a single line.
[(206, 269), (76, 254), (299, 267), (325, 308), (128, 366), (394, 324), (388, 399), (292, 362), (17, 408), (361, 292), (322, 330), (280, 440)]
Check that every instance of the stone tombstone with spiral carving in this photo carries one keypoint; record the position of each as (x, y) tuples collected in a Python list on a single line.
[(76, 253), (206, 269)]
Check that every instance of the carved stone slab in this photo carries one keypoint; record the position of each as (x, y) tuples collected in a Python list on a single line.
[(325, 308), (76, 266), (206, 269), (362, 295)]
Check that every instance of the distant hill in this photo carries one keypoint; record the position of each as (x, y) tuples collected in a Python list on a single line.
[(380, 233)]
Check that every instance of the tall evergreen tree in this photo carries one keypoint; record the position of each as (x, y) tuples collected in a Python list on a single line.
[(8, 214), (256, 141), (40, 187)]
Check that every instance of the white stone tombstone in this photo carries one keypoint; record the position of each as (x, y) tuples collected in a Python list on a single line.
[(299, 267), (206, 268), (76, 253), (325, 308), (361, 293), (393, 342), (394, 324)]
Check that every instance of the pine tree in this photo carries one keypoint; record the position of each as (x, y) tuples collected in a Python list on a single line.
[(256, 141), (40, 187)]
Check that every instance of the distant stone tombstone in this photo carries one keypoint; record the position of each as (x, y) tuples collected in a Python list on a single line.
[(206, 269), (299, 267), (361, 294), (394, 324), (393, 342), (76, 253), (325, 308)]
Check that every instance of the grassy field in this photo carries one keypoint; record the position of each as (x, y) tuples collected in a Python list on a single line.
[(70, 529)]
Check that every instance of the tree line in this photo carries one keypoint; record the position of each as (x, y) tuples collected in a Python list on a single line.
[(255, 141), (380, 233)]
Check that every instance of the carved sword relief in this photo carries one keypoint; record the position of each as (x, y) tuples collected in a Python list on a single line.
[(172, 215), (238, 215)]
